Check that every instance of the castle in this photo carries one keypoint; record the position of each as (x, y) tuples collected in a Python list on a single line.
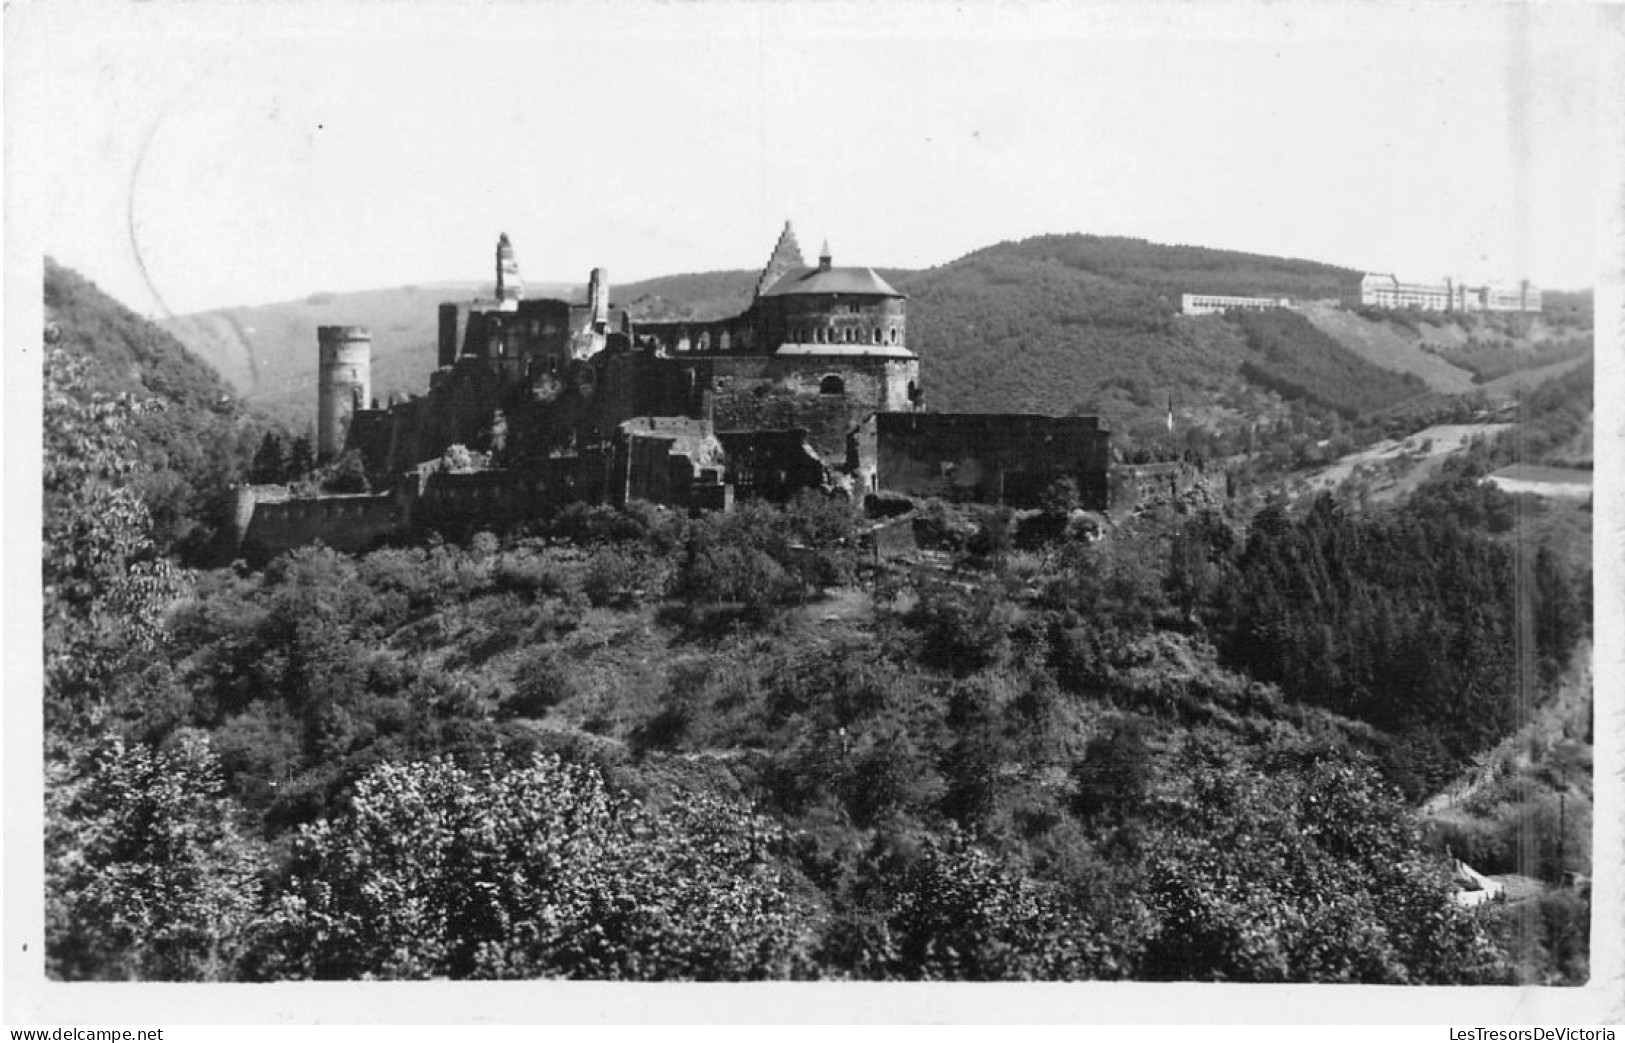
[(813, 385)]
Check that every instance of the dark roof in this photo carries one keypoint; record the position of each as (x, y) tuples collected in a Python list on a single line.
[(861, 281)]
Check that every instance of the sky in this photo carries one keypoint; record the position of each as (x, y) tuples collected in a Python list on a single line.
[(196, 155)]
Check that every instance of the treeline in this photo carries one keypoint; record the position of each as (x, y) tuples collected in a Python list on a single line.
[(1487, 360), (1174, 270), (1407, 620), (1297, 361)]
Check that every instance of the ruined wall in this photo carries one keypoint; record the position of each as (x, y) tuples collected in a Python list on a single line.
[(736, 334), (1009, 458), (667, 460), (800, 392), (347, 523), (771, 465), (459, 503)]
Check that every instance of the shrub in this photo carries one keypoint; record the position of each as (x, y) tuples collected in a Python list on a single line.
[(541, 683)]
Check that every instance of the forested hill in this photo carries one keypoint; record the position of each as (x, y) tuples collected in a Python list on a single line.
[(126, 354), (1174, 270), (191, 434)]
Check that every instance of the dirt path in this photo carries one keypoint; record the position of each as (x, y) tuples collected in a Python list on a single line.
[(1424, 451)]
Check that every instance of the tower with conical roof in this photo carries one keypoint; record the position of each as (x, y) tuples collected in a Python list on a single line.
[(786, 258)]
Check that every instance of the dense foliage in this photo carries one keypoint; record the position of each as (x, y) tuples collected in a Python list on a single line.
[(1294, 359), (189, 439)]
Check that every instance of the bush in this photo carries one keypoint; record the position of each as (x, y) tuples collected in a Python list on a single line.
[(610, 579), (541, 683)]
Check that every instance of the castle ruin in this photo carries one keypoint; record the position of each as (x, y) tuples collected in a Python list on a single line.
[(814, 385)]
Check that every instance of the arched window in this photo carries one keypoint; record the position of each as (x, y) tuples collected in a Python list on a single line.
[(705, 341), (894, 334), (723, 341), (832, 385), (877, 335)]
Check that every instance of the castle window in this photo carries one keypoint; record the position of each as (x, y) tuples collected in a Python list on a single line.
[(832, 385), (705, 342), (894, 334), (877, 335)]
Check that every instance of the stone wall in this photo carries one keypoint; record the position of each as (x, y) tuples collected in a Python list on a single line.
[(771, 465), (347, 523), (825, 396), (991, 458)]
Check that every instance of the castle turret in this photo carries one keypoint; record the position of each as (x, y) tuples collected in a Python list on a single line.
[(509, 286), (824, 259), (344, 384)]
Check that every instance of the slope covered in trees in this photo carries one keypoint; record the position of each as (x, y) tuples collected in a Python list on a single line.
[(989, 780), (189, 435)]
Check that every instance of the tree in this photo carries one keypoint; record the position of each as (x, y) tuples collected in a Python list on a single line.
[(301, 458), (541, 871), (106, 583), (1299, 873), (146, 874), (270, 461), (952, 912)]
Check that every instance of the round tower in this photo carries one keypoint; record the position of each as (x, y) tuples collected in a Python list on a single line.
[(344, 384)]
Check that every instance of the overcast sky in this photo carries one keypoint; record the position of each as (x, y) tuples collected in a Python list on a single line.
[(250, 153)]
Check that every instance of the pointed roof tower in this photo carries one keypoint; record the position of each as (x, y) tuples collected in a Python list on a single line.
[(786, 258), (824, 258)]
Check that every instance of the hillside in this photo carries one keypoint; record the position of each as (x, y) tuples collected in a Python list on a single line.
[(1389, 346), (192, 434)]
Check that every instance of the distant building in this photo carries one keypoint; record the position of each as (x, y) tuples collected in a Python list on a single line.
[(1384, 290), (1218, 304)]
